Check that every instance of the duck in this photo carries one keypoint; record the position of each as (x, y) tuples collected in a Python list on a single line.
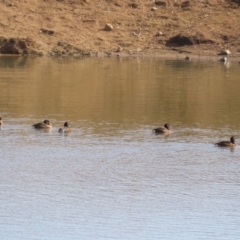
[(65, 129), (1, 121), (43, 125), (230, 143), (165, 129)]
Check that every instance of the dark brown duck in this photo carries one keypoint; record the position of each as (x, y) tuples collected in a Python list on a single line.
[(43, 125), (165, 129), (66, 128), (230, 143)]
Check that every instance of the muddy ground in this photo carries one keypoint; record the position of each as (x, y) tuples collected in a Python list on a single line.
[(120, 27)]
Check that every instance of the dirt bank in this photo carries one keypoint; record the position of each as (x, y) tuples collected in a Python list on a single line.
[(56, 27)]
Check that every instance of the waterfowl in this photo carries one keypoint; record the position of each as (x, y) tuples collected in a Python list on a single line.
[(230, 143), (43, 125), (1, 122), (65, 129), (165, 129)]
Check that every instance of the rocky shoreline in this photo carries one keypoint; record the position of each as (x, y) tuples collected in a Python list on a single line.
[(27, 47), (120, 28)]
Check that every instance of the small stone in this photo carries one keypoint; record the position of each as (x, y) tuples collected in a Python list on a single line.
[(153, 9), (158, 34), (108, 27)]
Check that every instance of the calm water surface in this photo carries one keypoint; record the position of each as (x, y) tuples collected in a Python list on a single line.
[(111, 177)]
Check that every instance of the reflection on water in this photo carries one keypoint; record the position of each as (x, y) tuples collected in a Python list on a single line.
[(112, 177), (119, 90)]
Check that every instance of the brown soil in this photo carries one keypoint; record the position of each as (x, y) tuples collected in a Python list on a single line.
[(56, 27)]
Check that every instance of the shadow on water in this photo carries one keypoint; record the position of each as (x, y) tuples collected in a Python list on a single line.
[(13, 62)]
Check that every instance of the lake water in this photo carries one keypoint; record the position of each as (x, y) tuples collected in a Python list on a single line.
[(111, 177)]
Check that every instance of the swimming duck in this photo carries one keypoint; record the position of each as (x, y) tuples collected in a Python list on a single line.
[(165, 129), (230, 143), (65, 129), (43, 125), (1, 122)]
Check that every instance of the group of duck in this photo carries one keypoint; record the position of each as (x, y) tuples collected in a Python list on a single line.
[(166, 130), (47, 126), (160, 130)]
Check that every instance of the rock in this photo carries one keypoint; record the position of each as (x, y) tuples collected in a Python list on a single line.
[(108, 27), (186, 4), (118, 4), (161, 3), (225, 52), (182, 40), (158, 34), (225, 38), (18, 46), (179, 40), (133, 5), (46, 31), (153, 9)]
